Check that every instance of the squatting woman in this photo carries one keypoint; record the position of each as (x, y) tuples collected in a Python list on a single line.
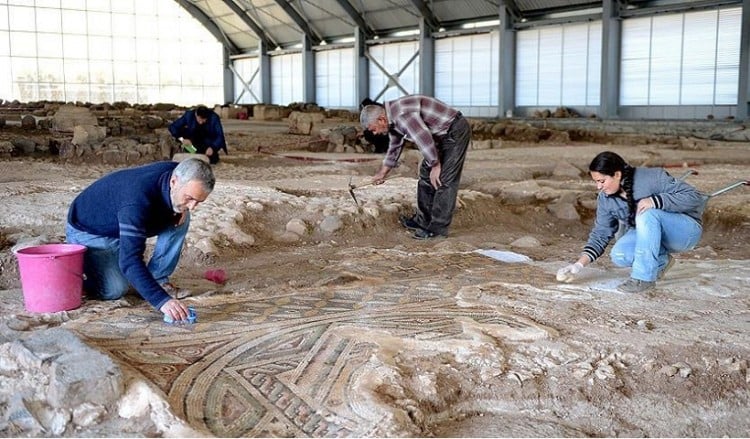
[(662, 215)]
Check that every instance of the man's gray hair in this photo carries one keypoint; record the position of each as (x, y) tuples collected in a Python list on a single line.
[(195, 169), (370, 114)]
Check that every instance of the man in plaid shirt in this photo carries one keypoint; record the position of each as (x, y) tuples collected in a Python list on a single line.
[(442, 136)]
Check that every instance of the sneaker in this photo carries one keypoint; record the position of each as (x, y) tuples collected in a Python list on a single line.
[(408, 222), (174, 291), (636, 286), (424, 234), (666, 268)]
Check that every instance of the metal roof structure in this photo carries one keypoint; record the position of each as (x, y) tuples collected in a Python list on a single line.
[(243, 25)]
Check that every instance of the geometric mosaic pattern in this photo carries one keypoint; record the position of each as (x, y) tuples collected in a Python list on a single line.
[(283, 366)]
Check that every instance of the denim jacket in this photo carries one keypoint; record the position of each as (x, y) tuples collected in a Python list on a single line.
[(667, 193)]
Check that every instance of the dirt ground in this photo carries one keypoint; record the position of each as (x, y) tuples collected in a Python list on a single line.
[(517, 354)]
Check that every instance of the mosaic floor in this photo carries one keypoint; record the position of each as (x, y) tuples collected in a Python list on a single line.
[(287, 364)]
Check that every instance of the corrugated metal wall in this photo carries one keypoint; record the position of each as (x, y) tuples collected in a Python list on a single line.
[(681, 59), (680, 65), (286, 79), (466, 72), (247, 68), (559, 66), (334, 78)]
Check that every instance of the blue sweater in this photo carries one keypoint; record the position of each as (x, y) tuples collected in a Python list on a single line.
[(132, 205), (210, 134)]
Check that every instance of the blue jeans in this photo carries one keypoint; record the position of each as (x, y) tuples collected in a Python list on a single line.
[(101, 262), (657, 233)]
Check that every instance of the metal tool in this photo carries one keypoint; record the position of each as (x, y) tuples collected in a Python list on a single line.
[(690, 172), (352, 186), (729, 188), (687, 173)]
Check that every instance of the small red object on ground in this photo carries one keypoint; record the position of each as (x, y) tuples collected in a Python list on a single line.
[(219, 276)]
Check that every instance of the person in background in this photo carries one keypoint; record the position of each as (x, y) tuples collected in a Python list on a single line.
[(115, 215), (200, 128), (442, 136), (662, 215)]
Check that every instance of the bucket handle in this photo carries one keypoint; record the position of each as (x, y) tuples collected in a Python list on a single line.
[(74, 273)]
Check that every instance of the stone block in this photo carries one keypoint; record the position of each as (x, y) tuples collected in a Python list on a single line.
[(88, 134), (267, 112), (303, 123), (68, 116)]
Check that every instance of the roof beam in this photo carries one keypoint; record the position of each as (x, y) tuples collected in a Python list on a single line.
[(512, 8), (259, 32), (354, 15), (651, 8), (206, 21), (294, 15), (555, 21), (429, 17), (543, 12)]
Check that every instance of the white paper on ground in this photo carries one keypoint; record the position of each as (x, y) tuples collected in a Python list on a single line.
[(505, 256)]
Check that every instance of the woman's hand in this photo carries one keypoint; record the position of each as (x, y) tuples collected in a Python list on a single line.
[(644, 205), (569, 272)]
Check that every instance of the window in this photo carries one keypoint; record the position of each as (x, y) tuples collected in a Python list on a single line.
[(100, 50), (681, 59)]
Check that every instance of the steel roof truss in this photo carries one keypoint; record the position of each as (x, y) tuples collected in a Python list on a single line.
[(429, 17), (297, 18), (354, 15), (242, 14), (210, 25)]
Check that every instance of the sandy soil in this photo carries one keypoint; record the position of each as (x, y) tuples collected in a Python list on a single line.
[(589, 361)]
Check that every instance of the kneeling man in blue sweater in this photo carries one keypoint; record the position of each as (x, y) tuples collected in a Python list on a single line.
[(115, 215)]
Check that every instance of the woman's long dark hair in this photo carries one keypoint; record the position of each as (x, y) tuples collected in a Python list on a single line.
[(608, 163)]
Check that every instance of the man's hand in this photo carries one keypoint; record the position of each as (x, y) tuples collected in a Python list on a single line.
[(209, 151), (379, 177), (175, 309), (185, 141), (435, 176)]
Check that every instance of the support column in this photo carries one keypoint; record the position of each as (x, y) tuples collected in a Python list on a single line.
[(308, 71), (609, 92), (264, 67), (228, 78), (426, 59), (361, 67), (506, 100), (743, 95)]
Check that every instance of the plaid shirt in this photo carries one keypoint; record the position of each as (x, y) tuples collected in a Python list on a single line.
[(419, 119)]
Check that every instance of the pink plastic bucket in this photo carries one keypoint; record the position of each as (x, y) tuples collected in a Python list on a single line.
[(51, 276)]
